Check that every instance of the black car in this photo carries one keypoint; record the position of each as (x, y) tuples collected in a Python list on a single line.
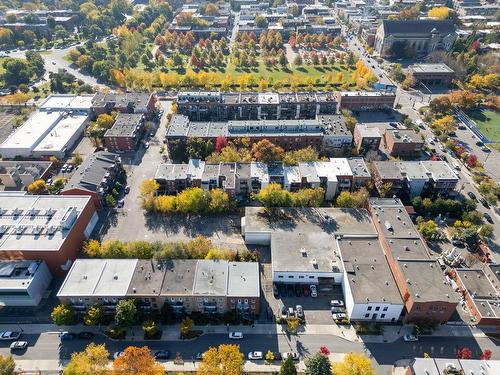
[(277, 356), (479, 143), (162, 354), (86, 335), (472, 195), (488, 217), (276, 291), (484, 202)]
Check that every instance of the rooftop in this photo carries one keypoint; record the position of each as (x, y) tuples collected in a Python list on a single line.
[(61, 135), (358, 167), (243, 279), (405, 248), (404, 135), (211, 278), (17, 274), (440, 170), (147, 279), (126, 124), (418, 26), (179, 277), (368, 131), (394, 220), (370, 278), (136, 100), (37, 222), (431, 68), (67, 102), (33, 168)]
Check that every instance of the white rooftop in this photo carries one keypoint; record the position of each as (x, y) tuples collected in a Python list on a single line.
[(67, 102), (259, 170), (61, 134), (243, 279), (291, 175), (326, 169), (340, 167)]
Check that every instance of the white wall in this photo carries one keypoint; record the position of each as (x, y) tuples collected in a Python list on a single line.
[(304, 277), (360, 310)]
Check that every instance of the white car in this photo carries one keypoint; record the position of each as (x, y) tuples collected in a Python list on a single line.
[(236, 335), (339, 316), (336, 303), (255, 355), (410, 338), (314, 291), (18, 345), (430, 140), (9, 335), (294, 356), (117, 355)]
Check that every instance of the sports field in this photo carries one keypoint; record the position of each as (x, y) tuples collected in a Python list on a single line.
[(488, 123)]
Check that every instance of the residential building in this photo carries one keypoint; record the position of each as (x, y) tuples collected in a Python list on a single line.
[(370, 292), (426, 292), (402, 142), (452, 366), (480, 288), (365, 100), (415, 178), (206, 286), (361, 176), (323, 133), (18, 175), (219, 106), (423, 36), (45, 227), (476, 8), (23, 282), (95, 177), (130, 102), (126, 132), (432, 74), (366, 138)]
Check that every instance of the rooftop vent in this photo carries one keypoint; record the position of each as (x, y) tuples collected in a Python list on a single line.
[(115, 276)]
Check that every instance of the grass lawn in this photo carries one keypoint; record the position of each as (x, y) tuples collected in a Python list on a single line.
[(488, 122)]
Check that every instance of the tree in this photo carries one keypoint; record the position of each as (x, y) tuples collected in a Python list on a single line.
[(441, 13), (486, 355), (470, 236), (226, 359), (266, 152), (355, 199), (95, 314), (269, 357), (353, 364), (307, 154), (193, 200), (110, 201), (126, 313), (428, 229), (92, 361), (385, 189), (464, 99), (273, 195), (350, 120), (105, 121), (63, 315), (292, 324), (440, 105), (324, 350), (150, 328), (288, 367), (137, 360), (77, 158), (7, 365), (198, 148), (220, 143), (298, 60), (185, 326), (464, 353), (219, 201), (6, 36), (445, 124), (37, 187), (318, 364), (17, 98), (148, 188), (260, 21)]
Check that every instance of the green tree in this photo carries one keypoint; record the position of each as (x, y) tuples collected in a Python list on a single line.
[(355, 199), (308, 197), (126, 313), (150, 328), (94, 316), (470, 236), (260, 21), (193, 200), (110, 201), (198, 148), (306, 154), (428, 229), (7, 365), (219, 201), (486, 231), (318, 364), (350, 120), (185, 326), (63, 315), (288, 367), (385, 189), (16, 71)]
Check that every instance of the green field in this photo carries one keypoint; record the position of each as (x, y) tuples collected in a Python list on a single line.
[(488, 122)]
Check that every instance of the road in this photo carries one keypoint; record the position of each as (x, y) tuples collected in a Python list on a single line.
[(383, 355)]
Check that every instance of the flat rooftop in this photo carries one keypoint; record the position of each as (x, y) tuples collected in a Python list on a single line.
[(125, 125), (431, 68), (367, 93), (243, 279), (394, 220), (358, 167), (179, 277), (369, 276), (211, 278), (404, 248), (38, 222), (68, 102), (17, 274), (440, 170), (62, 134), (387, 170), (147, 279)]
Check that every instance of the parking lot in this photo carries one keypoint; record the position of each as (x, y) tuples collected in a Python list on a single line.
[(7, 122)]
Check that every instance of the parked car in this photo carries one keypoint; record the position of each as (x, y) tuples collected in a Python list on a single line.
[(146, 145), (430, 140), (456, 242), (339, 316), (295, 356), (283, 312), (19, 345), (127, 189), (290, 312), (86, 335), (479, 143), (484, 202), (314, 291), (255, 355), (276, 291), (335, 310), (235, 335), (277, 356), (456, 166), (488, 217), (461, 127), (300, 311), (199, 356), (485, 149), (162, 354), (336, 303), (117, 355), (120, 203), (67, 336), (10, 335), (410, 338), (472, 195), (305, 290), (70, 168), (64, 168)]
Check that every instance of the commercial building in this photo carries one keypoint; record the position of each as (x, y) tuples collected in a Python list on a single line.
[(426, 292), (432, 74), (221, 106), (242, 179), (129, 102), (76, 104), (366, 100), (366, 138), (45, 227), (452, 366), (414, 178), (95, 177), (323, 133), (18, 175), (23, 282), (423, 36), (481, 290), (207, 286), (402, 142), (126, 132)]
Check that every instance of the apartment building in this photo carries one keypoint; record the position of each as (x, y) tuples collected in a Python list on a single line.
[(126, 132), (220, 106), (402, 142), (241, 179), (452, 366), (414, 178), (426, 292), (95, 177), (129, 102), (18, 175), (206, 286), (365, 100), (51, 228), (366, 138)]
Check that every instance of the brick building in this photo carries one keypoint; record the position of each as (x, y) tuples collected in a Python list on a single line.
[(130, 102), (432, 74), (402, 142), (126, 132), (366, 138)]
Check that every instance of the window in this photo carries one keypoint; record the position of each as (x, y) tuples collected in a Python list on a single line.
[(301, 277), (385, 308), (280, 276), (369, 308), (311, 277), (246, 300), (239, 300), (382, 316), (377, 308), (367, 315), (290, 276)]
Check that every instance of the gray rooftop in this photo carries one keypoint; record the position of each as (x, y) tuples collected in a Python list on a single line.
[(404, 135), (418, 26), (369, 276), (133, 100), (431, 68), (92, 171), (126, 125), (17, 274), (440, 170), (387, 170), (402, 248), (179, 277), (394, 220), (171, 172), (211, 278), (243, 279), (358, 167), (147, 279)]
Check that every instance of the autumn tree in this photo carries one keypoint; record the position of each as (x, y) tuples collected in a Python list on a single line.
[(7, 365), (137, 360), (16, 98), (464, 353), (292, 324), (350, 120), (355, 199), (226, 359), (63, 315), (273, 195), (385, 189), (94, 316), (464, 99), (445, 124), (318, 364), (265, 151), (185, 326), (440, 13), (37, 187), (92, 361), (486, 355), (295, 157), (126, 313), (148, 190), (288, 367), (269, 357), (353, 364)]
